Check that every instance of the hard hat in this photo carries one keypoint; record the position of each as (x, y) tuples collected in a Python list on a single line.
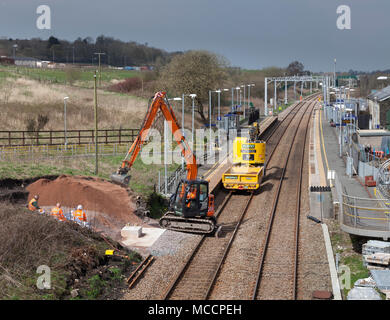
[(79, 207)]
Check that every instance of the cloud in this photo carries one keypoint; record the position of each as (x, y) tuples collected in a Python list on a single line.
[(250, 33)]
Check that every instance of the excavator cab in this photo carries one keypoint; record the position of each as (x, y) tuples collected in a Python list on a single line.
[(191, 199), (191, 209)]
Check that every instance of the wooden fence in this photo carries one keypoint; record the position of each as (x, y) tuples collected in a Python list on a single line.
[(72, 137)]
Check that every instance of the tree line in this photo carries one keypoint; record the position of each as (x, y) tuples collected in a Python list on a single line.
[(82, 51)]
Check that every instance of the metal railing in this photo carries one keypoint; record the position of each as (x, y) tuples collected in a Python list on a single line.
[(368, 217), (168, 185)]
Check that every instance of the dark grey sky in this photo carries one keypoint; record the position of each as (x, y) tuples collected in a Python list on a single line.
[(250, 33)]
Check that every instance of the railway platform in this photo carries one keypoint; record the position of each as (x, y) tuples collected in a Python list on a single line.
[(360, 211)]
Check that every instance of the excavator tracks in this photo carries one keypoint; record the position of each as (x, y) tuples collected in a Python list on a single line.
[(193, 225)]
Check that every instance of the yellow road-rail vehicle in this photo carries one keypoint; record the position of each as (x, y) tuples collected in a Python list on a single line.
[(248, 167)]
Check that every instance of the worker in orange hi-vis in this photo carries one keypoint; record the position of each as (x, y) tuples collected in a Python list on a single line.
[(79, 215), (191, 196), (58, 213), (33, 204)]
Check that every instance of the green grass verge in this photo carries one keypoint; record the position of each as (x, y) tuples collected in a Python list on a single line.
[(348, 248), (143, 176)]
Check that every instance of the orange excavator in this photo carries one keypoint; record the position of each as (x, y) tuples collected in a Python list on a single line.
[(191, 206)]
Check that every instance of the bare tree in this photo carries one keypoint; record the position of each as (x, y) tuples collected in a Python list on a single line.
[(194, 72), (295, 68)]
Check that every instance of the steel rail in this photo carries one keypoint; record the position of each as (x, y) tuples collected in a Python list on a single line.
[(227, 249), (272, 215), (181, 272)]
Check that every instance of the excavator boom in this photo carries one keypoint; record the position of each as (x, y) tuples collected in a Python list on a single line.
[(159, 102), (191, 207)]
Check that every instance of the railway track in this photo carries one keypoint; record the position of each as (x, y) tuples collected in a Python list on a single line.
[(197, 277), (278, 266), (139, 271)]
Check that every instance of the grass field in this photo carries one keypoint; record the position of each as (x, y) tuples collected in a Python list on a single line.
[(84, 77), (22, 98)]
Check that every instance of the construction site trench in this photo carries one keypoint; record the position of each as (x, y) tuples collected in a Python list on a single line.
[(109, 207)]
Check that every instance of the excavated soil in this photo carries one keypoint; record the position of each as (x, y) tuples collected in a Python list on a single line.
[(109, 206)]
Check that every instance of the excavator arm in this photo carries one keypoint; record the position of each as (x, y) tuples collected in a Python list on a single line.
[(159, 102)]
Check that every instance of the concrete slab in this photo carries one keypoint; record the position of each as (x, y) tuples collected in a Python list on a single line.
[(382, 279), (148, 238)]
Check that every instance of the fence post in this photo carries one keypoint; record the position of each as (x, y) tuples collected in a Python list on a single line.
[(9, 137), (51, 141), (355, 211), (120, 133), (106, 136), (23, 138)]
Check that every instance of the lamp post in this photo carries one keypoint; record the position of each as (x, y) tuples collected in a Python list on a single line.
[(219, 100), (96, 125), (66, 140), (166, 134), (243, 86), (14, 49), (249, 92), (219, 103), (232, 98), (285, 93), (238, 100), (210, 115), (376, 107), (237, 90), (334, 73), (100, 68), (210, 121), (275, 96), (265, 97), (193, 96)]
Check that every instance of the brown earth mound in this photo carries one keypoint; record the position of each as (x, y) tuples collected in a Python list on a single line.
[(108, 205)]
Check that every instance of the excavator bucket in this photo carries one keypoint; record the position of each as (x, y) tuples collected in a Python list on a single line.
[(121, 179)]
